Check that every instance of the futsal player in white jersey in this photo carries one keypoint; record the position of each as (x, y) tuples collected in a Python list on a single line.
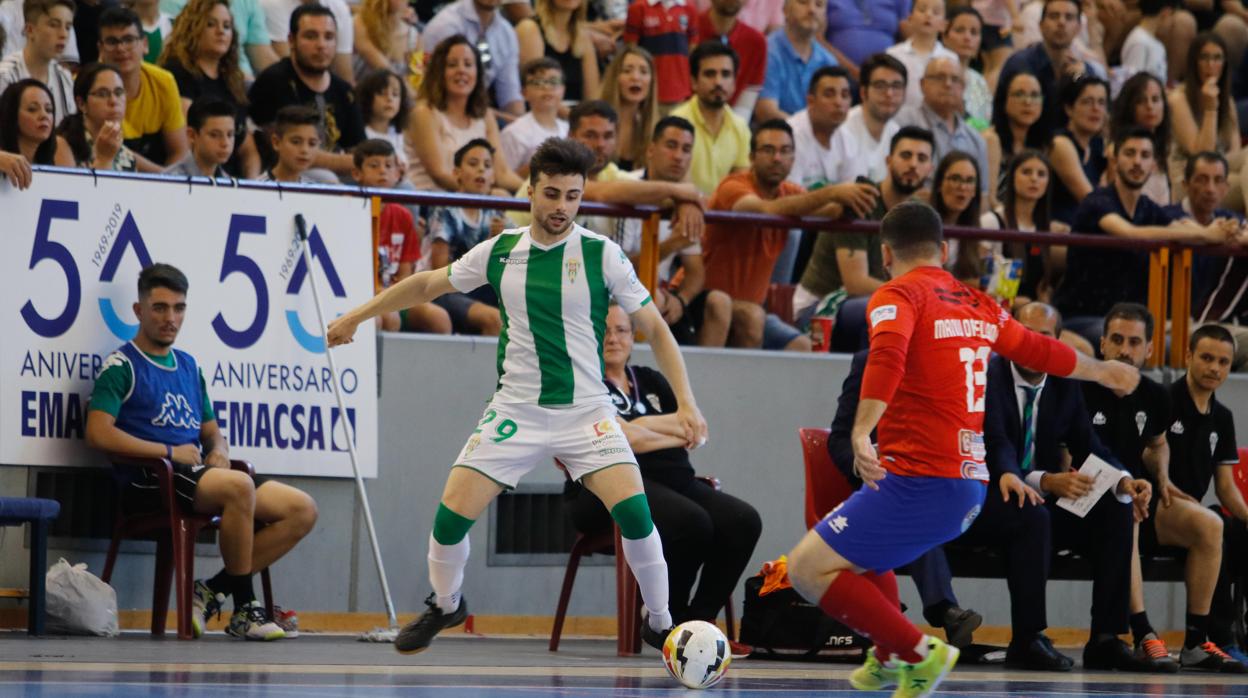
[(554, 281)]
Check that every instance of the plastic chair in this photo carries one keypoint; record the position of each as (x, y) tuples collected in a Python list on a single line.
[(627, 594), (826, 487), (780, 301), (39, 513), (176, 532)]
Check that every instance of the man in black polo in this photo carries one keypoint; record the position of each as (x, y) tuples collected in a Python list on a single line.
[(1134, 427), (1203, 449)]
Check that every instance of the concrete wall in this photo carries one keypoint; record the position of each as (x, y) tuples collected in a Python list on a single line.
[(434, 389)]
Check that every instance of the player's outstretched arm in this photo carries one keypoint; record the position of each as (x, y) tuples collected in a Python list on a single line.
[(1115, 375), (1048, 355), (648, 320), (418, 288)]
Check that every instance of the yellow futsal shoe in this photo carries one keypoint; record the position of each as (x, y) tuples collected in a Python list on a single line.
[(920, 680), (873, 675)]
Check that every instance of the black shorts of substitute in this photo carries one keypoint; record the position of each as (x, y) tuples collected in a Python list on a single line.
[(143, 493)]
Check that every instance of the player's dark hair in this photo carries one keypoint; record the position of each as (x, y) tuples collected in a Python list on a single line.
[(560, 156), (540, 65), (1044, 9), (827, 71), (911, 133), (912, 230), (711, 49), (1131, 312), (1214, 332), (474, 143), (118, 17), (160, 275), (770, 125), (671, 122), (591, 107), (204, 109), (1204, 156), (1132, 134), (295, 115), (371, 148)]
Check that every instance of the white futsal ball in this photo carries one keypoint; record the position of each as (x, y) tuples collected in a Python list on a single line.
[(696, 654)]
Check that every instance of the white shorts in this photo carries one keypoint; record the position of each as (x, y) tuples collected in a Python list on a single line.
[(513, 438)]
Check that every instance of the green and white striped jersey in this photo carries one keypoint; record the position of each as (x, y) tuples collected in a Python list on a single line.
[(553, 302)]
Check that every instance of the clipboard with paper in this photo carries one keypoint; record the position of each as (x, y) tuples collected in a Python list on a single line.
[(1105, 476)]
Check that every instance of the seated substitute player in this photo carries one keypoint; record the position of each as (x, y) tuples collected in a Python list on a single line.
[(1134, 427), (924, 384), (130, 416), (554, 281), (1203, 449)]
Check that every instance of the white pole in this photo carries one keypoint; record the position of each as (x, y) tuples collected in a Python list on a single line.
[(301, 229)]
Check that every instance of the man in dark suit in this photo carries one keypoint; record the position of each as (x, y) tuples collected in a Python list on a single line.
[(930, 572), (1028, 418)]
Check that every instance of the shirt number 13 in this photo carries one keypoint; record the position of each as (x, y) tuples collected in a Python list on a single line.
[(975, 361)]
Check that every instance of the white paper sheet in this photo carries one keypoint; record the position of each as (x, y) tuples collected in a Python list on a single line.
[(1106, 476)]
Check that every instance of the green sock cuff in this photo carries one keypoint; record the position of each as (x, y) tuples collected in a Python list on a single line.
[(633, 516), (449, 528)]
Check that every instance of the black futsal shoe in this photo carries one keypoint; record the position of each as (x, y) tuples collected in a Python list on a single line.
[(1036, 654), (417, 635), (653, 637)]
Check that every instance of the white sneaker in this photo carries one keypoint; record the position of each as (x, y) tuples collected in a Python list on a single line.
[(251, 623)]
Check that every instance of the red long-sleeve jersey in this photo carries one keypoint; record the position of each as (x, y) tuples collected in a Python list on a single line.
[(931, 338)]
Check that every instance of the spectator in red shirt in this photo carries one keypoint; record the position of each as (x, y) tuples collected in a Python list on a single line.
[(721, 23), (665, 28), (740, 262), (398, 242)]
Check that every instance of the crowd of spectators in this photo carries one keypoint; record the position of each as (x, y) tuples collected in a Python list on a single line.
[(1015, 111)]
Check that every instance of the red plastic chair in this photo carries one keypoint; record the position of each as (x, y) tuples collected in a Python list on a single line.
[(175, 545), (627, 595), (826, 487), (780, 301)]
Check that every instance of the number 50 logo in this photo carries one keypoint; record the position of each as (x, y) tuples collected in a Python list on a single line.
[(234, 261)]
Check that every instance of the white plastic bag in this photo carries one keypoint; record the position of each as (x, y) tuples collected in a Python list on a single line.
[(79, 603)]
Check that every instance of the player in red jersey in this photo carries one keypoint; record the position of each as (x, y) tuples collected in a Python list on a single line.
[(923, 392)]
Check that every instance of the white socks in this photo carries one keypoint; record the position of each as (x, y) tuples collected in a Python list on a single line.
[(446, 572), (645, 558)]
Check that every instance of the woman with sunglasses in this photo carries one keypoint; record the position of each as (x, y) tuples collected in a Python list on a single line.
[(94, 133), (453, 109)]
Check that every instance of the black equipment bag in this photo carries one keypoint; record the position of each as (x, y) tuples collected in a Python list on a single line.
[(784, 625)]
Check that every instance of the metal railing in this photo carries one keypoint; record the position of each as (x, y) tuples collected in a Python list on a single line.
[(1170, 263)]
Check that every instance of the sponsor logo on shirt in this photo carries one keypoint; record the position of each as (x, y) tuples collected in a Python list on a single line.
[(957, 296), (1176, 428), (513, 260), (1098, 419), (960, 328), (882, 313), (971, 444), (972, 470), (176, 412)]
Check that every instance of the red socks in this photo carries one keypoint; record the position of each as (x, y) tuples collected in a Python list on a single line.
[(865, 605)]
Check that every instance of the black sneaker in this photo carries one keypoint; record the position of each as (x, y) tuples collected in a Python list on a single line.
[(960, 624), (653, 637), (416, 636)]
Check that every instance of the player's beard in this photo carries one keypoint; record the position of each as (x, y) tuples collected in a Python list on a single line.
[(904, 188), (546, 226)]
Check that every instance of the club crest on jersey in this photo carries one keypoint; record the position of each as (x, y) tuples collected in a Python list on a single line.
[(1098, 419), (1176, 428), (654, 402), (573, 266), (176, 412), (1213, 442), (1140, 420)]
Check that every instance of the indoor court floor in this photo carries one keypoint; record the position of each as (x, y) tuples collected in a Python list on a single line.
[(325, 666)]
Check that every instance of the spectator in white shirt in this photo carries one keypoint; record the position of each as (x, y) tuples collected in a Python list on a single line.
[(859, 146), (543, 90), (47, 31), (926, 22), (386, 107), (1142, 52), (828, 100), (277, 18)]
